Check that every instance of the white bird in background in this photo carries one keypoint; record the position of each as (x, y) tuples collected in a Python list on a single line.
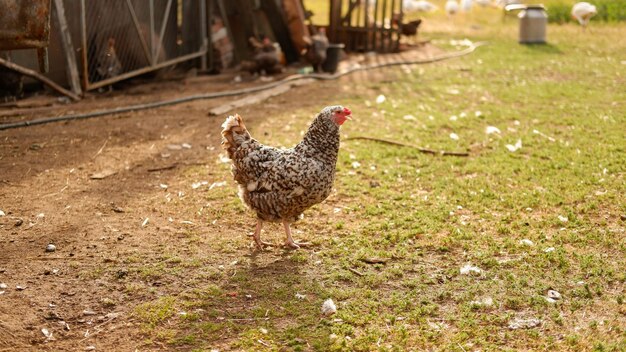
[(418, 6), (503, 3), (466, 5), (582, 12), (452, 7)]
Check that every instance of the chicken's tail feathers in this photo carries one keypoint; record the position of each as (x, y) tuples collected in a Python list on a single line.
[(233, 133)]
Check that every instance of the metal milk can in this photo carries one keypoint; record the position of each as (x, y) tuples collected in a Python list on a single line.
[(533, 21)]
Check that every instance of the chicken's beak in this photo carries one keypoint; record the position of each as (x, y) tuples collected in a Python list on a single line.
[(347, 113)]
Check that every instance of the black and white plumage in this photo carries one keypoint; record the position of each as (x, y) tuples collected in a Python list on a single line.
[(280, 184)]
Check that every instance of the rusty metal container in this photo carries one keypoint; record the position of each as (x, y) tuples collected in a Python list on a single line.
[(25, 24)]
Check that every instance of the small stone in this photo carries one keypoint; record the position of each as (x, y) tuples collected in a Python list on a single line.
[(263, 331), (2, 213), (174, 147), (19, 222), (300, 296), (65, 325), (3, 286), (554, 294), (90, 348), (46, 333), (88, 312), (329, 307), (51, 248), (112, 315), (521, 323), (20, 288)]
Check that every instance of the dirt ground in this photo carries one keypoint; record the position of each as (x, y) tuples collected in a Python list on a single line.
[(50, 194)]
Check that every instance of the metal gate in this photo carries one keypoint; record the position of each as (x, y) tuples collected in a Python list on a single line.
[(366, 25), (126, 38)]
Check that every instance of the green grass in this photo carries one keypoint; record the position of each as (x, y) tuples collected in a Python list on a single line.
[(429, 216), (608, 11)]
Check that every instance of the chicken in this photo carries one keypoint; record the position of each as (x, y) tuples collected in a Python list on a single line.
[(466, 5), (315, 53), (407, 29), (418, 6), (582, 12), (280, 184), (452, 7), (267, 57), (504, 3), (410, 29), (109, 65)]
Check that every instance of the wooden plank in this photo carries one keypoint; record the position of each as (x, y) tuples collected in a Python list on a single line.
[(68, 48), (375, 26), (367, 23), (382, 27), (258, 97)]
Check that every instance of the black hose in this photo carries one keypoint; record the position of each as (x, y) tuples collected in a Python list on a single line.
[(230, 93)]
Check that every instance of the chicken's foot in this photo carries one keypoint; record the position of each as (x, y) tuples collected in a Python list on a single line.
[(290, 242), (257, 236)]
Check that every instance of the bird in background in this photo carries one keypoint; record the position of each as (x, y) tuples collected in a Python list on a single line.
[(418, 6), (109, 65), (466, 5), (582, 12), (452, 7), (484, 3), (317, 46), (280, 184), (503, 3)]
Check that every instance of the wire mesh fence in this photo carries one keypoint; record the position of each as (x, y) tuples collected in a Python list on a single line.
[(125, 38), (366, 25)]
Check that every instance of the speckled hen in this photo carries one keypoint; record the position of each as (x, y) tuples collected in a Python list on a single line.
[(280, 184)]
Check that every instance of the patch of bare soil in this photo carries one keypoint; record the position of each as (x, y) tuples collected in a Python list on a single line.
[(97, 190)]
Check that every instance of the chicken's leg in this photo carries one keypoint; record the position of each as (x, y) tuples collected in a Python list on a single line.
[(290, 242), (257, 235)]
